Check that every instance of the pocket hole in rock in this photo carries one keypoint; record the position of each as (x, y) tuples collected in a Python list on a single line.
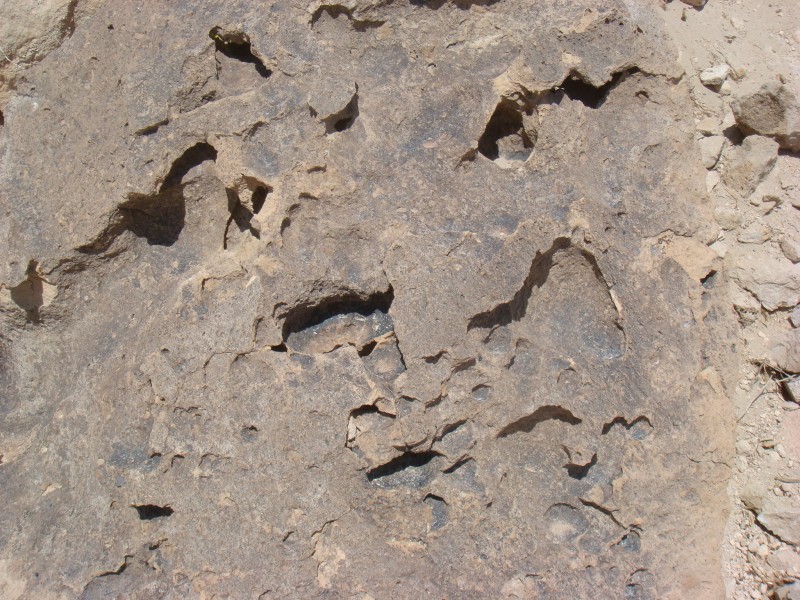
[(506, 136), (148, 512), (344, 119), (236, 45)]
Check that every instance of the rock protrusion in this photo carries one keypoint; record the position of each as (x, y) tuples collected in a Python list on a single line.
[(771, 110)]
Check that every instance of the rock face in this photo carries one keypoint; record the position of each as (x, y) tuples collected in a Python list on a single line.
[(373, 299), (29, 30)]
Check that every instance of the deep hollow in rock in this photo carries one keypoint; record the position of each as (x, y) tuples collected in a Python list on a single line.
[(159, 218), (579, 472), (259, 198), (527, 423), (410, 469), (241, 214), (460, 4), (505, 136), (33, 292), (148, 512), (438, 507), (304, 316), (577, 88), (236, 45), (344, 119), (639, 427)]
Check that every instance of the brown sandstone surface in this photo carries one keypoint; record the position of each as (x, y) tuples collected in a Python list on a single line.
[(388, 299)]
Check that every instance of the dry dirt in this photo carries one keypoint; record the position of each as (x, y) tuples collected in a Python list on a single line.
[(383, 299), (757, 43)]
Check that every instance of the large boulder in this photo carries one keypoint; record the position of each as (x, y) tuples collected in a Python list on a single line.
[(371, 299)]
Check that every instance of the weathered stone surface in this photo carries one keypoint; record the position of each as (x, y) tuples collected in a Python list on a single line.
[(785, 351), (794, 316), (31, 29), (756, 233), (787, 561), (771, 109), (750, 164), (789, 591), (790, 241), (710, 149), (363, 300), (781, 516), (728, 217), (769, 276)]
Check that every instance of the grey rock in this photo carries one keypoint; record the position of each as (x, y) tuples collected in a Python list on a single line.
[(770, 276), (791, 388), (784, 352), (756, 233), (781, 515), (710, 149), (790, 241), (772, 110), (715, 76), (794, 316), (749, 164), (788, 591)]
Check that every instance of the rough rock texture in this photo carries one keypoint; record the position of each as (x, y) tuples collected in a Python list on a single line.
[(378, 299), (771, 109), (29, 30)]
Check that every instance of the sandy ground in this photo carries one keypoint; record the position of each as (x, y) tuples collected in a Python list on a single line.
[(759, 42)]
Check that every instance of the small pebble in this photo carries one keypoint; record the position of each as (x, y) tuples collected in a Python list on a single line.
[(715, 76), (794, 317)]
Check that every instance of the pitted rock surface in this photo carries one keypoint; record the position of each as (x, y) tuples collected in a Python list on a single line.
[(373, 299)]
